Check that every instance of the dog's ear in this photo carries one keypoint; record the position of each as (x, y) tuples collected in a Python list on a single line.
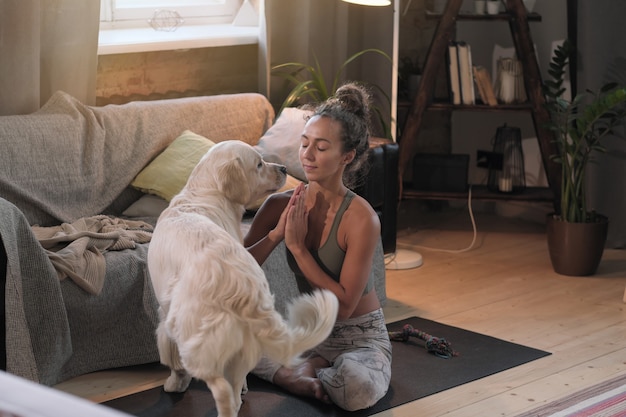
[(232, 181)]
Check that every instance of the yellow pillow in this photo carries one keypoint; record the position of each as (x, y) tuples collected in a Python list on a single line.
[(167, 174)]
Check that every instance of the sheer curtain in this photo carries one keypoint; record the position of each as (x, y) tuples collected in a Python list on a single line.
[(45, 46)]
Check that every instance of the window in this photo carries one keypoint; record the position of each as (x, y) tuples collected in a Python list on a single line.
[(127, 26), (135, 13)]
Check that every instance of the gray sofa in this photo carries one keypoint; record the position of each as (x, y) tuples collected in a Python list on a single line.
[(69, 161)]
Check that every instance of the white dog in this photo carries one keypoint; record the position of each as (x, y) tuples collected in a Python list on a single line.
[(217, 315)]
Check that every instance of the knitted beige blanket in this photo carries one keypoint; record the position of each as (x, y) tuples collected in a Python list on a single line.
[(77, 249)]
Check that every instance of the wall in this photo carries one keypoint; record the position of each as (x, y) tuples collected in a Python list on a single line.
[(602, 58), (168, 74)]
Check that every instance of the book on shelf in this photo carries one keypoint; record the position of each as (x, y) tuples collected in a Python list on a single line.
[(453, 73), (465, 72), (480, 89), (482, 79)]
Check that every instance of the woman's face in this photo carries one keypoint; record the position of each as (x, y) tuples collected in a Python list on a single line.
[(321, 149)]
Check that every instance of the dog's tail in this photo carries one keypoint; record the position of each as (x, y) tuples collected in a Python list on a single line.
[(310, 319)]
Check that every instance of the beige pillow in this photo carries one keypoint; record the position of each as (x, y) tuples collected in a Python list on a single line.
[(281, 142), (167, 174), (148, 205)]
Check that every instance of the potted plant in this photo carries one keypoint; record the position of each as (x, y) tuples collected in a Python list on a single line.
[(577, 234), (309, 86)]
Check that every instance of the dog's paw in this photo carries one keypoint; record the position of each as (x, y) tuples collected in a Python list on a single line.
[(177, 382), (244, 389)]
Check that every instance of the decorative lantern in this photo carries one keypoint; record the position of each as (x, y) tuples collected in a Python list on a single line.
[(506, 172)]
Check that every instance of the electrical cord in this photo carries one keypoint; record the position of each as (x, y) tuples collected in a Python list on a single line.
[(474, 229), (391, 257)]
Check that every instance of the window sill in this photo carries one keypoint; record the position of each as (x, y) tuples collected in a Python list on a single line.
[(120, 41)]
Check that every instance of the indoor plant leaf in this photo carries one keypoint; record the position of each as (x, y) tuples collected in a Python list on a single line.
[(308, 84), (579, 126)]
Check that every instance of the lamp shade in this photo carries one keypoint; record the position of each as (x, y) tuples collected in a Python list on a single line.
[(370, 2)]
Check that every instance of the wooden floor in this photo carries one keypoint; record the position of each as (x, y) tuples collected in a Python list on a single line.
[(503, 287)]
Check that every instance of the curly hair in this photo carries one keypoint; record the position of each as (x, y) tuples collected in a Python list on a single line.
[(350, 106)]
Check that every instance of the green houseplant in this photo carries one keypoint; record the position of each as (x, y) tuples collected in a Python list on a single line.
[(579, 126), (308, 84)]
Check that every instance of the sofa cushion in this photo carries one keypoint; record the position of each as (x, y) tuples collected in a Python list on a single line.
[(152, 206), (148, 205), (167, 174), (281, 142)]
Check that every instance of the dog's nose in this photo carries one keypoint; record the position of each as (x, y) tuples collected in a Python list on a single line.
[(283, 169)]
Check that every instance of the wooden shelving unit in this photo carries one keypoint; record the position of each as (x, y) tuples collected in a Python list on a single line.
[(518, 18), (531, 17), (536, 194)]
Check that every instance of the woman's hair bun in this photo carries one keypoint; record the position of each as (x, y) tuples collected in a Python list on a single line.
[(353, 98)]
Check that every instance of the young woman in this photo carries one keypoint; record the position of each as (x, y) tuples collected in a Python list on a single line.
[(330, 234)]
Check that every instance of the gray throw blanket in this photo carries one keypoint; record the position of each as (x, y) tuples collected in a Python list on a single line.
[(77, 249), (54, 329), (35, 313)]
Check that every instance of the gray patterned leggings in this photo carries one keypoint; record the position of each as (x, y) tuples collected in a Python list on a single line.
[(359, 352)]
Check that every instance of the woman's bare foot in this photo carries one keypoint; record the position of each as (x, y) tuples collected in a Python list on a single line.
[(303, 380)]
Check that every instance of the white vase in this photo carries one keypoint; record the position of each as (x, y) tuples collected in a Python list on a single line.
[(479, 6), (493, 7)]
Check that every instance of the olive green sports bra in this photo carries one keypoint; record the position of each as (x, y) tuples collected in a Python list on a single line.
[(329, 256)]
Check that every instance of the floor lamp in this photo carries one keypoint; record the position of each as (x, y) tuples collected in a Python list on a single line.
[(401, 258)]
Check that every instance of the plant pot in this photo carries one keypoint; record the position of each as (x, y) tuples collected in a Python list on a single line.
[(576, 248)]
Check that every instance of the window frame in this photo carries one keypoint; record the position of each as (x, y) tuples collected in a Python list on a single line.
[(131, 14), (137, 35)]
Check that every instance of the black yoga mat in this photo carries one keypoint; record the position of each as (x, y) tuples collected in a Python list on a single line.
[(416, 373)]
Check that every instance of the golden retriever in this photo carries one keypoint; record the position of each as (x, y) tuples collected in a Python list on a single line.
[(217, 315)]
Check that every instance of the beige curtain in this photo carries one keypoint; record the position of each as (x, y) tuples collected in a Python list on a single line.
[(299, 31), (329, 30), (45, 46)]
